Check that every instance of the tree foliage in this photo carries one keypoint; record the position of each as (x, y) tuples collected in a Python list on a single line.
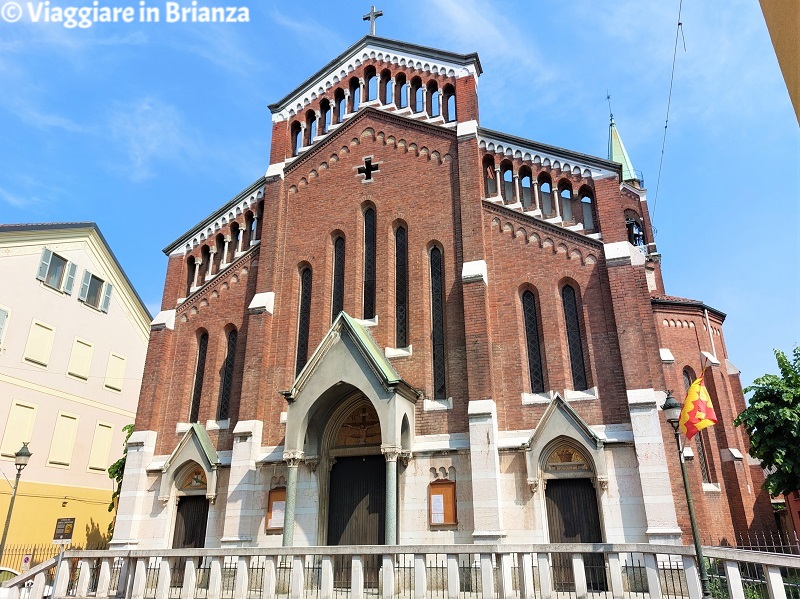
[(116, 470), (773, 422)]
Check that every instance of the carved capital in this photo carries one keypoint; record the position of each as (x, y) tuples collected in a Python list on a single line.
[(391, 452), (292, 458), (534, 485), (602, 483), (312, 463), (405, 458)]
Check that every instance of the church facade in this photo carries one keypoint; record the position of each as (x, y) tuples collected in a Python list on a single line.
[(414, 329)]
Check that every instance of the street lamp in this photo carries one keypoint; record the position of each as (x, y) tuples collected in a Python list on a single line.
[(672, 412), (20, 461)]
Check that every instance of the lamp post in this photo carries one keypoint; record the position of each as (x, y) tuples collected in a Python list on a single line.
[(672, 412), (20, 461)]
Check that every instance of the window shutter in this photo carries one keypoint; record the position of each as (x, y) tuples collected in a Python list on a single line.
[(106, 301), (44, 264), (87, 277), (70, 278), (3, 318)]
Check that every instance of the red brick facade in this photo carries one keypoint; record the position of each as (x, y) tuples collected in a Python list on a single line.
[(430, 179)]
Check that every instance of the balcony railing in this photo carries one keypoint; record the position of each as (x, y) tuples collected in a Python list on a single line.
[(563, 571)]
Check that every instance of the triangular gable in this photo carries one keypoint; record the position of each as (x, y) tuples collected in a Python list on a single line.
[(195, 446), (560, 420), (368, 348)]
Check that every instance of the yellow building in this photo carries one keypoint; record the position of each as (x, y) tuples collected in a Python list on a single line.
[(73, 338)]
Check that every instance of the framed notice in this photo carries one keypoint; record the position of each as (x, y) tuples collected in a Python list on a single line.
[(63, 533), (276, 506), (442, 503)]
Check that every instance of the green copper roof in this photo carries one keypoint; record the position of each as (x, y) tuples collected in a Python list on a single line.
[(205, 443), (370, 347), (617, 153)]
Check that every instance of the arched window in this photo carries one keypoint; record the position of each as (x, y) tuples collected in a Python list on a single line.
[(233, 247), (633, 224), (449, 103), (508, 183), (190, 272), (566, 204), (433, 99), (199, 375), (489, 177), (535, 370), (371, 84), (546, 192), (355, 94), (205, 255), (417, 95), (341, 104), (304, 320), (219, 246), (325, 112), (387, 87), (586, 208), (338, 277), (248, 230), (403, 91), (226, 385), (574, 339), (525, 187), (401, 286), (701, 439), (437, 318), (297, 137), (311, 127), (369, 264)]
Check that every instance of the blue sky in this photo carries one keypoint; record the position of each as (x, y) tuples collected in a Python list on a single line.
[(145, 128)]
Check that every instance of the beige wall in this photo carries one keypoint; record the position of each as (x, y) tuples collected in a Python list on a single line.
[(122, 330)]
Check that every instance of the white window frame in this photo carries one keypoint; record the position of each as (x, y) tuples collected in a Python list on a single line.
[(97, 425), (25, 358), (104, 294), (72, 375), (25, 404), (67, 281), (50, 463)]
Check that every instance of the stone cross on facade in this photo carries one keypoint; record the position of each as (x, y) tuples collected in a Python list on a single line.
[(371, 16)]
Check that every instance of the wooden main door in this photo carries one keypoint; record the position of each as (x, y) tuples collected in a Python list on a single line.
[(356, 511), (573, 517), (190, 522)]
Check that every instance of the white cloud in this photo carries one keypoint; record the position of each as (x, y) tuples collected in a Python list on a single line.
[(150, 132), (325, 41), (17, 201)]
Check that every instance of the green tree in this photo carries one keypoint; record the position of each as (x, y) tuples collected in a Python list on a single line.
[(115, 472), (773, 422)]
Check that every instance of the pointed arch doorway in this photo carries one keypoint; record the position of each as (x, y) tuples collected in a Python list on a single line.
[(191, 517), (356, 484)]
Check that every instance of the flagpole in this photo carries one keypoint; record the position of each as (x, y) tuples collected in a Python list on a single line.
[(672, 410)]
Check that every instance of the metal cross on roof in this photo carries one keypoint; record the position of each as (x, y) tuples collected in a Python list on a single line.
[(371, 16)]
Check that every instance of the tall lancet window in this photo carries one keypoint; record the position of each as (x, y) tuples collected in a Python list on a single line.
[(535, 370), (574, 339), (437, 314), (401, 287), (199, 375), (338, 277), (369, 264), (226, 385), (304, 320)]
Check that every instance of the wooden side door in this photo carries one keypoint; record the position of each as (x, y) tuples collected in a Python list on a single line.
[(356, 511), (190, 523), (573, 517)]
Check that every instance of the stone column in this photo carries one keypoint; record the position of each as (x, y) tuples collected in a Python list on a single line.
[(239, 242), (211, 253), (425, 101), (303, 128), (254, 235), (516, 187), (346, 104), (556, 200), (440, 103), (498, 177), (362, 86), (225, 250), (197, 264), (391, 454), (320, 124), (292, 459), (535, 194)]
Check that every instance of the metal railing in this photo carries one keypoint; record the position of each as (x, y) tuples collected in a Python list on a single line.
[(563, 571)]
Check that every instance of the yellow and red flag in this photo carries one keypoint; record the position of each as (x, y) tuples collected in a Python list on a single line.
[(698, 412)]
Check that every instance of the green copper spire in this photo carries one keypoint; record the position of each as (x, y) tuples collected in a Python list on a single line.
[(617, 153)]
